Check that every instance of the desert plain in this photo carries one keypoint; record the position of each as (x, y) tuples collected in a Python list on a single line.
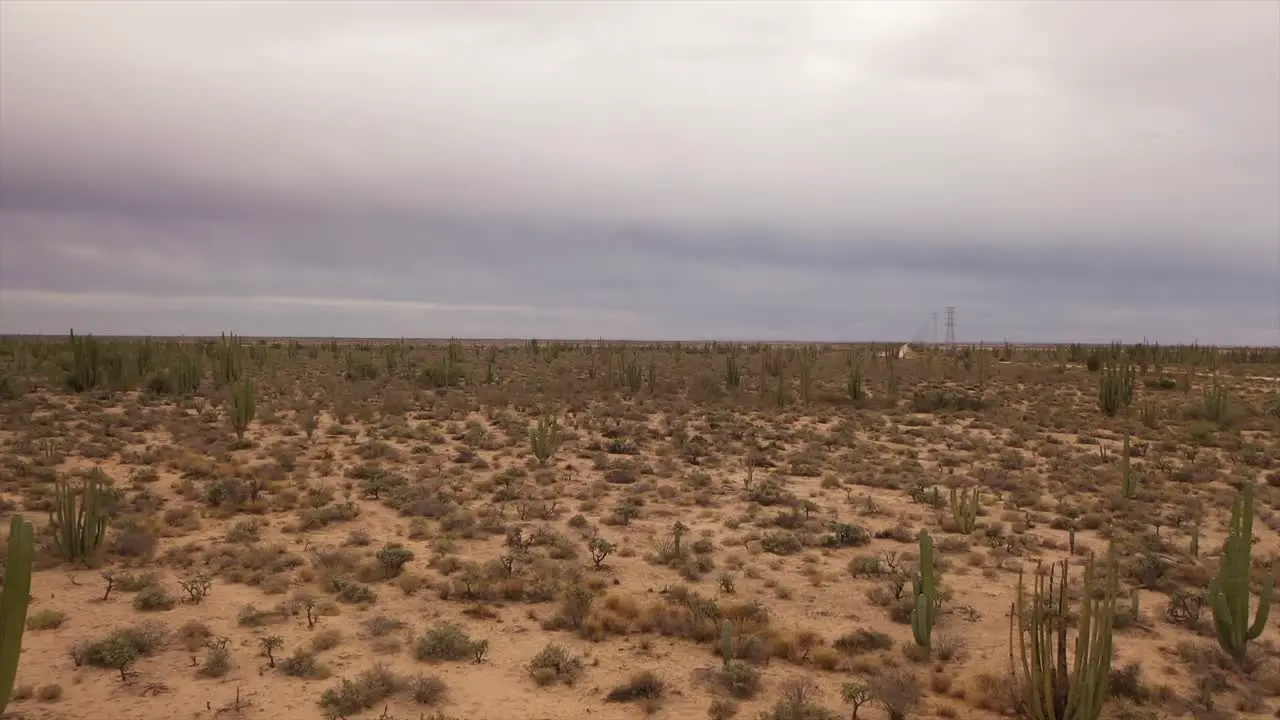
[(544, 530)]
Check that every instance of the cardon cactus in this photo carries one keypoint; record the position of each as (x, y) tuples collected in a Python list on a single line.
[(964, 509), (925, 587), (1229, 591), (1055, 688), (726, 642), (13, 603), (1128, 478), (79, 518)]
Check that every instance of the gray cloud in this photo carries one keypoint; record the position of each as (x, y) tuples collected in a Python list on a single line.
[(1058, 171)]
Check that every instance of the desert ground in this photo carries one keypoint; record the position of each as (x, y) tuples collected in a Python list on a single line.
[(541, 530)]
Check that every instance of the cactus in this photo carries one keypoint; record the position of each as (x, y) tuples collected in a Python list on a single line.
[(1115, 388), (1128, 477), (925, 589), (964, 509), (79, 517), (1229, 591), (13, 603), (242, 408), (1056, 690), (230, 364), (732, 375), (726, 642), (544, 439), (87, 370), (188, 369)]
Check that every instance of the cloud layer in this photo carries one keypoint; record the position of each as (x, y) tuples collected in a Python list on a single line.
[(1057, 171)]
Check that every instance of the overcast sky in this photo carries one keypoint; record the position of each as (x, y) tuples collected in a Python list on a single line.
[(1075, 171)]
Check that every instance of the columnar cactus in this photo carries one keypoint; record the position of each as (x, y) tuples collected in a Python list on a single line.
[(1129, 478), (86, 363), (726, 642), (1115, 388), (1229, 591), (964, 509), (925, 590), (545, 439), (242, 407), (79, 518), (1056, 690), (13, 603)]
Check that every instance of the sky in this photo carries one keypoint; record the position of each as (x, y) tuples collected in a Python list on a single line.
[(831, 171)]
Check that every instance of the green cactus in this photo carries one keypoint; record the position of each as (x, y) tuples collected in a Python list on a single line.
[(925, 590), (87, 363), (187, 371), (1115, 388), (242, 408), (1129, 478), (79, 517), (1056, 690), (726, 642), (545, 439), (1229, 591), (964, 509), (13, 603), (732, 375), (230, 359)]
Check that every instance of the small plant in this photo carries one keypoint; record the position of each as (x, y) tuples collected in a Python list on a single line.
[(600, 549), (196, 588), (270, 644), (393, 558), (857, 695), (553, 664)]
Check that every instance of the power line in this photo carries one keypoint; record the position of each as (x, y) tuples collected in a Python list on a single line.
[(950, 311)]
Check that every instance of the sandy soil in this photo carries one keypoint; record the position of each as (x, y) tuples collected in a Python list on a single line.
[(449, 474)]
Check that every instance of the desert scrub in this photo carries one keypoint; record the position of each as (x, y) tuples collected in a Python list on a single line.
[(427, 689), (352, 696), (644, 686), (154, 598), (444, 641), (46, 620), (553, 664)]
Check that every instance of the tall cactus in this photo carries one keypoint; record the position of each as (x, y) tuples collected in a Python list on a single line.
[(1056, 690), (1115, 388), (13, 603), (87, 370), (79, 517), (726, 642), (1229, 591), (1129, 478), (242, 409), (964, 509), (925, 589), (544, 439)]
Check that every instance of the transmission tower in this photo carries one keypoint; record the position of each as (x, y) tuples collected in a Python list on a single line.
[(951, 324)]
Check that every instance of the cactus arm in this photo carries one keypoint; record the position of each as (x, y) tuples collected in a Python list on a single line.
[(13, 604), (1264, 607)]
